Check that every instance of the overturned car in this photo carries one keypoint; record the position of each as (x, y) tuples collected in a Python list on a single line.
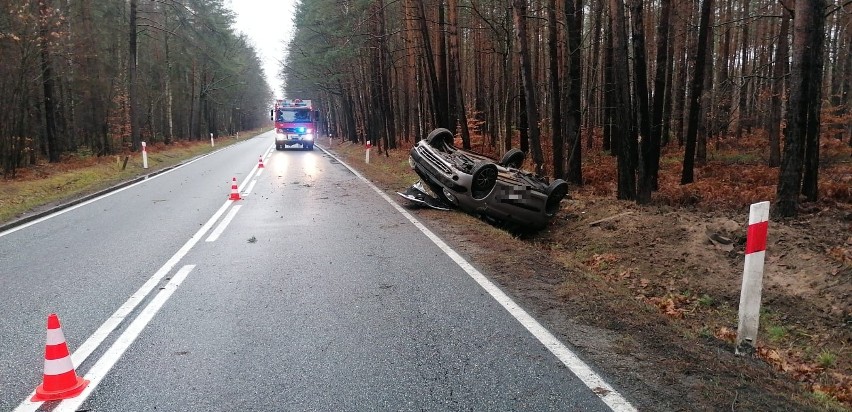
[(498, 191)]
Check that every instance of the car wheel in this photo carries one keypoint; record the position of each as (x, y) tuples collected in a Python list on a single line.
[(483, 179), (557, 191), (513, 158), (440, 138)]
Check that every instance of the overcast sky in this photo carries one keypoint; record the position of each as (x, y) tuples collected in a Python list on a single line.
[(268, 23)]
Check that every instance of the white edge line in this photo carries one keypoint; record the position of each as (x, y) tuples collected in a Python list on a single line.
[(223, 224), (114, 353), (593, 381), (98, 337)]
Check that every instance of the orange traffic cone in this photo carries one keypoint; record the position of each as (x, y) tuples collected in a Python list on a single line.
[(60, 380), (235, 192), (260, 163)]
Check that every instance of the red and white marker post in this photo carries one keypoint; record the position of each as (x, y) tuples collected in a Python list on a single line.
[(144, 156), (367, 156), (755, 253)]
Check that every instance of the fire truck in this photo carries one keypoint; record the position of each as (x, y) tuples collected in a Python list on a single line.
[(295, 123)]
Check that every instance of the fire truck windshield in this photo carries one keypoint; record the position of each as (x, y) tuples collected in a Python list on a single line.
[(293, 116)]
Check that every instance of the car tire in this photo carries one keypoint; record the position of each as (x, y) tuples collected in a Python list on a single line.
[(513, 158), (440, 138), (310, 147), (557, 191), (483, 179)]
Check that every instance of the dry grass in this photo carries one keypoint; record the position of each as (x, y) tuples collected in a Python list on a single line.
[(51, 183)]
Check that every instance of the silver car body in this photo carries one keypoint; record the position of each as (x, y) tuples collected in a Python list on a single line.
[(499, 191)]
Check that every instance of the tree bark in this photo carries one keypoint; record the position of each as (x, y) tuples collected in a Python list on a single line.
[(627, 146), (447, 89), (455, 71), (640, 86), (805, 74), (609, 143), (743, 120), (520, 12), (779, 71), (707, 111), (695, 94), (135, 141), (814, 77), (556, 136), (438, 109), (47, 81), (653, 160), (574, 19)]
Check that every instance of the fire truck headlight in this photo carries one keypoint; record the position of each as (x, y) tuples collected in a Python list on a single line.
[(308, 136)]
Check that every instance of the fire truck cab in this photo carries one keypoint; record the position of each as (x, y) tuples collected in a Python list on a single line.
[(295, 123)]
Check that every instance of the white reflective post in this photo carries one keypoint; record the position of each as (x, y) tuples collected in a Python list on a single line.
[(211, 140), (144, 156), (755, 253), (367, 156)]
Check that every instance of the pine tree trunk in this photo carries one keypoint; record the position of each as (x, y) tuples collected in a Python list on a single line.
[(679, 70), (574, 18), (610, 143), (593, 78), (695, 93), (520, 12), (653, 159), (170, 129), (816, 48), (438, 109), (53, 149), (779, 70), (706, 114), (744, 45), (556, 135), (457, 92), (135, 141), (627, 146), (508, 84), (447, 95), (640, 86), (807, 58)]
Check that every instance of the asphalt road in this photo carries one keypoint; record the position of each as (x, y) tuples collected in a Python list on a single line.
[(312, 292)]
